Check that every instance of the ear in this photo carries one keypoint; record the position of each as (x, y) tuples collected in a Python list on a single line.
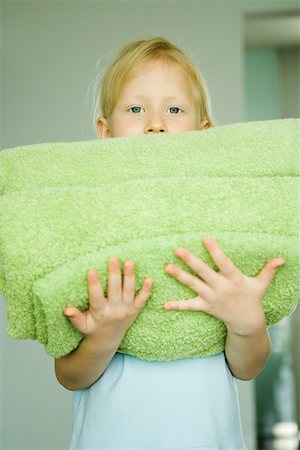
[(205, 124), (103, 127)]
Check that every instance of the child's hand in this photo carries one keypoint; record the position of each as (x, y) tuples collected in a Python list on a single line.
[(118, 311), (229, 295)]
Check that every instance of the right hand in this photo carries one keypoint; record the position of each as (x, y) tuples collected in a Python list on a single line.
[(116, 313)]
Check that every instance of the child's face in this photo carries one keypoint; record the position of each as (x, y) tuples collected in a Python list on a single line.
[(160, 99)]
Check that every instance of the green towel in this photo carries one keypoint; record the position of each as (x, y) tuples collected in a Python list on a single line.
[(65, 208)]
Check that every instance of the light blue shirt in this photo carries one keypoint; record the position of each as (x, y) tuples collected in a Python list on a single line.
[(170, 405)]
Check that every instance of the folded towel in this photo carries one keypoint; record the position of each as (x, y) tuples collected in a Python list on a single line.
[(65, 208)]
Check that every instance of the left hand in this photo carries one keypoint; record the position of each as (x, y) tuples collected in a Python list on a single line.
[(229, 295)]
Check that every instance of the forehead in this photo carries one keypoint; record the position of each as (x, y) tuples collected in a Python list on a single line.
[(155, 75), (158, 68)]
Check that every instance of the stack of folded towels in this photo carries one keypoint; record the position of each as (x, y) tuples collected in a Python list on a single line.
[(66, 208)]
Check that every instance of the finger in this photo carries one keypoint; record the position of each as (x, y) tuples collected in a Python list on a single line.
[(194, 304), (77, 318), (269, 271), (142, 297), (114, 290), (197, 265), (96, 296), (226, 266), (194, 283), (128, 282)]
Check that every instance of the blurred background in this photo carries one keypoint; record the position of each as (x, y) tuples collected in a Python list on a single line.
[(52, 54)]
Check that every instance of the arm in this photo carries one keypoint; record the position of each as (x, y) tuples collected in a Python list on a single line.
[(234, 298), (104, 324), (248, 345), (82, 367), (247, 354)]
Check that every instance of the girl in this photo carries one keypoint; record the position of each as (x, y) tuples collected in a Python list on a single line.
[(123, 402)]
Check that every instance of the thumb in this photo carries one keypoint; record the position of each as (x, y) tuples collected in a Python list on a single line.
[(77, 318), (269, 271)]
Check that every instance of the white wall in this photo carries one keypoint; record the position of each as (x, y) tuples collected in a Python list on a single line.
[(51, 50), (49, 61)]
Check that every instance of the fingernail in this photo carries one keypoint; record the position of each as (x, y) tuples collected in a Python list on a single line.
[(114, 260), (93, 273)]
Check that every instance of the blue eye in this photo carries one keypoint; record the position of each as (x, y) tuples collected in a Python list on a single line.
[(174, 109), (135, 109)]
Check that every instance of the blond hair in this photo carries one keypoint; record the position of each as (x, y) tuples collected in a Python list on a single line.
[(133, 57)]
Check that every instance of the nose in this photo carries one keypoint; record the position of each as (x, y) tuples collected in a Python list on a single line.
[(155, 124)]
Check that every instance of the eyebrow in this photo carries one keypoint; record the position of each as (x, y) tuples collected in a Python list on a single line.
[(144, 97)]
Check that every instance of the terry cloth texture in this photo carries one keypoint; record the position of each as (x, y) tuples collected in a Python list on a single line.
[(67, 207)]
